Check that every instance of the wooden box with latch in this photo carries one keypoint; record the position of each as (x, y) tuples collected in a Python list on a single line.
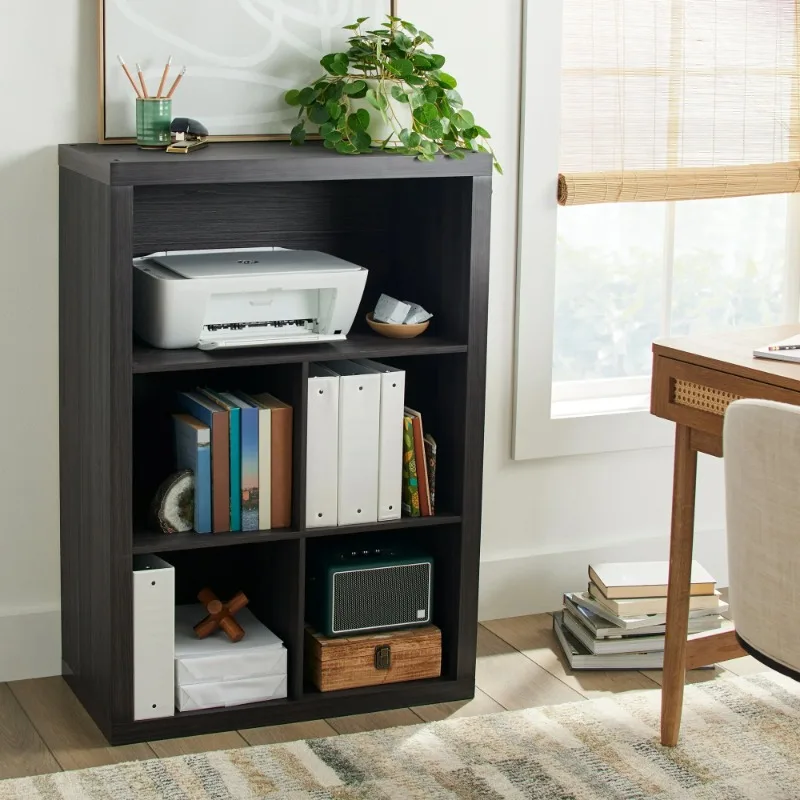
[(387, 657)]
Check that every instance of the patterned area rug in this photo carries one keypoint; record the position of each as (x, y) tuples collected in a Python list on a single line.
[(740, 739)]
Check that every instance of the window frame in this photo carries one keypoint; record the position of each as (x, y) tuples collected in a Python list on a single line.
[(550, 419)]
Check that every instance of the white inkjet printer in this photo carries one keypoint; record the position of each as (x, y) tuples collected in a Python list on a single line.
[(244, 297)]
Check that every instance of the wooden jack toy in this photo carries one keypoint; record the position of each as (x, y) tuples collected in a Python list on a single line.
[(221, 615)]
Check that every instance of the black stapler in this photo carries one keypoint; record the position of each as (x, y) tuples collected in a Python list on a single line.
[(188, 135)]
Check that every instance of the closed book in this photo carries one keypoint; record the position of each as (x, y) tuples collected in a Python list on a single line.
[(636, 606), (421, 463), (430, 460), (213, 415), (282, 418), (601, 628), (359, 425), (322, 448), (411, 485), (634, 621), (641, 643), (644, 579), (249, 458), (235, 439), (193, 452)]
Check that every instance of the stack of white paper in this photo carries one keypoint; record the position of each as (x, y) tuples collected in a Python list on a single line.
[(216, 672)]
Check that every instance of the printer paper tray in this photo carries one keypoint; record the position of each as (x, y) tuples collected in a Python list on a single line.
[(264, 341)]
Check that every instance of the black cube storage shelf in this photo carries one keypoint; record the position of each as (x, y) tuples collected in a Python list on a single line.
[(422, 230)]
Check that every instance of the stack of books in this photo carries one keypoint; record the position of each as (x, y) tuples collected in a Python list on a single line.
[(239, 448), (619, 622)]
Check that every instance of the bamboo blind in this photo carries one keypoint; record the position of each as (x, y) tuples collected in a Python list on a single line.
[(679, 100)]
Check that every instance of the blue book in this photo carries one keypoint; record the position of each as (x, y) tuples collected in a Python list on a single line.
[(193, 452), (235, 453), (250, 482)]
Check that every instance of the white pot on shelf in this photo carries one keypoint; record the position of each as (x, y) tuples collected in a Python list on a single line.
[(398, 115)]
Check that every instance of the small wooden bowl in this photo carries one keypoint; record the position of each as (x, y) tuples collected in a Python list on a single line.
[(394, 330)]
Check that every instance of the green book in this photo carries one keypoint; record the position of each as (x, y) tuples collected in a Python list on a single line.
[(410, 481)]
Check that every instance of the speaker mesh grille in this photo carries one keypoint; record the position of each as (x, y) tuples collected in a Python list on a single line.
[(375, 598)]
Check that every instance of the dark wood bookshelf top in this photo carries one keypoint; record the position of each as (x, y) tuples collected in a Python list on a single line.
[(360, 345), (146, 541), (254, 162)]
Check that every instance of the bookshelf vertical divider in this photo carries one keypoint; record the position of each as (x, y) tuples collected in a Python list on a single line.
[(422, 230)]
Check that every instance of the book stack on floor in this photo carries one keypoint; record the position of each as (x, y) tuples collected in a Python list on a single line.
[(619, 622), (365, 447), (239, 448)]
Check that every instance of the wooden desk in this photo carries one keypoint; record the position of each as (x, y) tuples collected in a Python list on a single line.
[(694, 381)]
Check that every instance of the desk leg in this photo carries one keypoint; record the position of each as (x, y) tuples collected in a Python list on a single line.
[(680, 569)]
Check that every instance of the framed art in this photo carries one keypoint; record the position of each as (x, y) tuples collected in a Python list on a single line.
[(241, 56)]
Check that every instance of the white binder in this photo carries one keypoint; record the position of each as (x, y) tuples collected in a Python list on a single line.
[(322, 447), (390, 438), (359, 423), (153, 638)]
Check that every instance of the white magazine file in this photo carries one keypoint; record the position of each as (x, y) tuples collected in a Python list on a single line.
[(322, 447)]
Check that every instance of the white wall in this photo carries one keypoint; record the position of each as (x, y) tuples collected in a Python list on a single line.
[(542, 520)]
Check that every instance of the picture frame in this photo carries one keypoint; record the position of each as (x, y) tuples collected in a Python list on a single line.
[(238, 94)]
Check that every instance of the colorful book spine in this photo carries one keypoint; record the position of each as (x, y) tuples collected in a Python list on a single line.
[(193, 452), (282, 417), (411, 485), (250, 482), (217, 419), (421, 463), (430, 460), (234, 498)]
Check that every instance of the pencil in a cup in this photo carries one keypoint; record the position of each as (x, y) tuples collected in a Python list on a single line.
[(130, 77), (141, 80), (177, 82), (164, 76)]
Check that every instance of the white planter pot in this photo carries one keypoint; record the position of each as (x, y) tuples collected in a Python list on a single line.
[(398, 115)]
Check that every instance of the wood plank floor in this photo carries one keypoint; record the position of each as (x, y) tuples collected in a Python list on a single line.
[(44, 729)]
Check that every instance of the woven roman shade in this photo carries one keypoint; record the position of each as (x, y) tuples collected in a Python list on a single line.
[(679, 100)]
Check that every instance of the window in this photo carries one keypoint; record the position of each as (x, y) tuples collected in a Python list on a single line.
[(693, 105)]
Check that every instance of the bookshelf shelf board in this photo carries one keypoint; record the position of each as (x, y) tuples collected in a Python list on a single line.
[(313, 704), (152, 542), (403, 523), (151, 359)]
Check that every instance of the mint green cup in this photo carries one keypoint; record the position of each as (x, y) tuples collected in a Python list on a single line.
[(153, 120)]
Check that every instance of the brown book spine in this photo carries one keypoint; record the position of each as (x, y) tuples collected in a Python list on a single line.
[(422, 468), (220, 473), (281, 488)]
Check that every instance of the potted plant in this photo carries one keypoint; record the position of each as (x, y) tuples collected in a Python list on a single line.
[(388, 90)]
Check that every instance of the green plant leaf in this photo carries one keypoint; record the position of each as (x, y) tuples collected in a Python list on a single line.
[(425, 38), (428, 146), (457, 154), (326, 128), (298, 134), (498, 167), (431, 93), (362, 140), (414, 139), (329, 144), (334, 109), (414, 80), (421, 61), (467, 118), (399, 94), (292, 97), (445, 125), (426, 113), (334, 136), (404, 136), (361, 20), (345, 148), (377, 99), (482, 132), (354, 88), (454, 98), (403, 42), (437, 61), (401, 66), (352, 27), (448, 147), (318, 114), (409, 27), (434, 130), (426, 157), (416, 98), (359, 120), (335, 90), (307, 96), (336, 63), (447, 81)]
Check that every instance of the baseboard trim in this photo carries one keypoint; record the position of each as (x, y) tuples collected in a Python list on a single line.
[(534, 584), (31, 643)]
